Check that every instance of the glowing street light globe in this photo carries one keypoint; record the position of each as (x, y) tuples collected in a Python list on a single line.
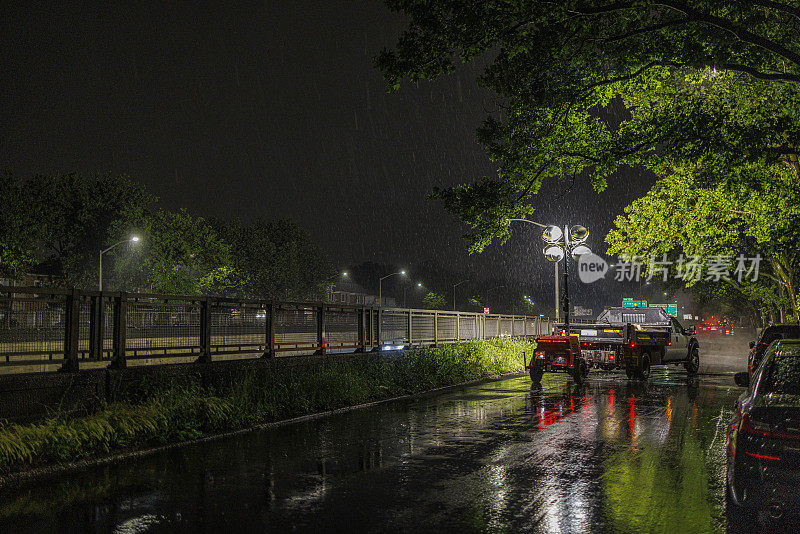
[(551, 234), (578, 233), (579, 251), (553, 253)]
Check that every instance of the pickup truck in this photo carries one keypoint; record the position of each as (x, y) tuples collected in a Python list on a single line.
[(633, 339)]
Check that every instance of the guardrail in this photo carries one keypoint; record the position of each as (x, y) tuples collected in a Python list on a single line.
[(47, 328)]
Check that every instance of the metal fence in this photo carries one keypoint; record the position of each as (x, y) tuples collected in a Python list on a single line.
[(43, 329)]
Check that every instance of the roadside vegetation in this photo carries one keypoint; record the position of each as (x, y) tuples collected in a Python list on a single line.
[(181, 411)]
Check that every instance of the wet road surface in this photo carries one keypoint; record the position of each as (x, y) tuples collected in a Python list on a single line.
[(611, 456)]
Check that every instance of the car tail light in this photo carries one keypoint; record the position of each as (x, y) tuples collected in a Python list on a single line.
[(611, 357), (755, 428), (633, 345), (761, 456), (539, 354)]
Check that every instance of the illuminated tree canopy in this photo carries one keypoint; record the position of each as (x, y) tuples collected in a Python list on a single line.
[(688, 212), (711, 84)]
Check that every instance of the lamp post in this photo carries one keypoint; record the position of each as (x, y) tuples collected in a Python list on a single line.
[(133, 239), (454, 292), (558, 245), (380, 284)]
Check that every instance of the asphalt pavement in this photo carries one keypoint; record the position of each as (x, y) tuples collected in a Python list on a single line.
[(611, 456)]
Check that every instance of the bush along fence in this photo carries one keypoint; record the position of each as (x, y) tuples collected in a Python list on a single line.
[(59, 329)]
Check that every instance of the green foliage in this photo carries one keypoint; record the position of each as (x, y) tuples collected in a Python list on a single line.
[(598, 86), (689, 212), (434, 301), (73, 214), (17, 228), (277, 260), (178, 412), (475, 303), (64, 221), (178, 254)]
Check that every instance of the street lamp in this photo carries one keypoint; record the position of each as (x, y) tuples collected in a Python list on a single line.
[(559, 243), (132, 239), (380, 284), (405, 288), (454, 292)]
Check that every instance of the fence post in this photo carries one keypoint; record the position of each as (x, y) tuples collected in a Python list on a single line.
[(119, 339), (205, 331), (368, 326), (269, 331), (436, 329), (96, 327), (321, 330), (410, 336), (71, 332), (379, 329), (362, 337)]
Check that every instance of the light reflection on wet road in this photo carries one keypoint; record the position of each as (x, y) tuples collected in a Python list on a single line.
[(614, 456)]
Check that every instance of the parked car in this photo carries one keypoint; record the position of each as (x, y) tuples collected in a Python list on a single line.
[(763, 438), (768, 335)]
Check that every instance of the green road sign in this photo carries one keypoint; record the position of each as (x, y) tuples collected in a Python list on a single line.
[(630, 303), (671, 309)]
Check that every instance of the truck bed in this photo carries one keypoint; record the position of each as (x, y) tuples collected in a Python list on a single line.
[(613, 334)]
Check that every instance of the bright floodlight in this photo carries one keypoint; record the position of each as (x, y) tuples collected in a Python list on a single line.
[(551, 234), (579, 251), (578, 233), (135, 238), (419, 284), (553, 253), (344, 273), (403, 273)]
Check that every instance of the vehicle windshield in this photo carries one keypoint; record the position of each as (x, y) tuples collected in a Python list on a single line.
[(782, 374)]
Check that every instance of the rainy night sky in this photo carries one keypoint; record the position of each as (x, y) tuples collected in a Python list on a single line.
[(272, 109)]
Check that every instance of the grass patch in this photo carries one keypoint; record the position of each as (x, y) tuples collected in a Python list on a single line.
[(176, 412)]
